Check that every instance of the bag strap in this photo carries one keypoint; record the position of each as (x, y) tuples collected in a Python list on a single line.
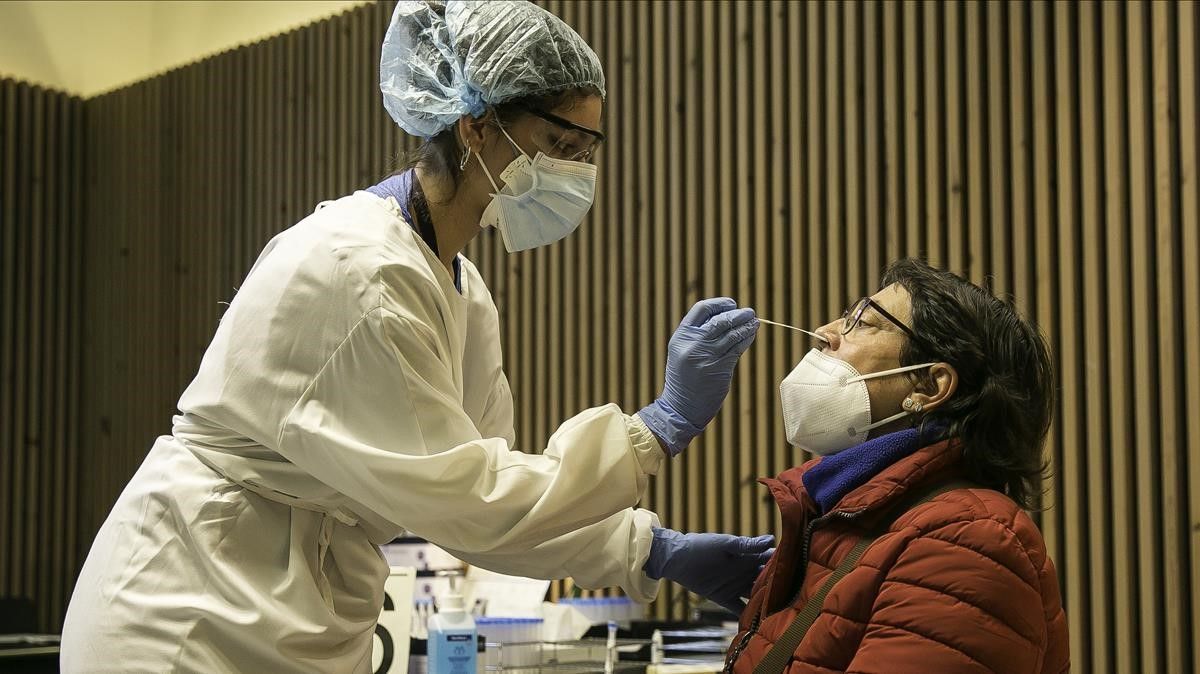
[(781, 652)]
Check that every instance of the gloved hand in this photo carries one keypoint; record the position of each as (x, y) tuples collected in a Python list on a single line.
[(719, 567), (700, 361)]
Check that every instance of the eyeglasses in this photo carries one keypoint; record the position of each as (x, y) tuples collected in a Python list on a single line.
[(575, 136), (853, 316)]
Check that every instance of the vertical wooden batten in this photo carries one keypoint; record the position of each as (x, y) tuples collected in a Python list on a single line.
[(41, 222)]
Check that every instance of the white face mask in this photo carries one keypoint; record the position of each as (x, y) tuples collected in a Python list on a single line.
[(826, 407), (542, 201)]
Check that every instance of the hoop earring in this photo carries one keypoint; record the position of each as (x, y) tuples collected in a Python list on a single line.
[(462, 165)]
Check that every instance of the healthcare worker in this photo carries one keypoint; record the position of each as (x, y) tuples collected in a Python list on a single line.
[(354, 389)]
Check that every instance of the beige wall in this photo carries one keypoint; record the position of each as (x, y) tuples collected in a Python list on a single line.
[(87, 48)]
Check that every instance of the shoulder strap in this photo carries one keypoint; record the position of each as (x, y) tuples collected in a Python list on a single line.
[(781, 652)]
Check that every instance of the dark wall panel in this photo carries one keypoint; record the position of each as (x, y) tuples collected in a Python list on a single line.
[(200, 167), (41, 226)]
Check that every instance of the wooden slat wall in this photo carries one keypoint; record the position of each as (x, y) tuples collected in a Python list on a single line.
[(41, 227), (189, 174), (182, 201), (781, 153)]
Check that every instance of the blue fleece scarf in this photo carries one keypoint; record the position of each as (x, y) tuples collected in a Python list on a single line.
[(839, 474)]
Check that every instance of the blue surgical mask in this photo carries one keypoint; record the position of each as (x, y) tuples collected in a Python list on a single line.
[(542, 201)]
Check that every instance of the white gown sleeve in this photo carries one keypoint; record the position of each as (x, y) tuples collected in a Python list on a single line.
[(382, 424), (605, 554)]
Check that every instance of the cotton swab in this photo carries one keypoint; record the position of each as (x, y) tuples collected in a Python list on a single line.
[(792, 327)]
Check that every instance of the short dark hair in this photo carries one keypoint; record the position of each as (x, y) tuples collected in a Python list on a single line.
[(1002, 409), (441, 154)]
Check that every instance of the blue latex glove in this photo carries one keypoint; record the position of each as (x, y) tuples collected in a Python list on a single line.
[(719, 567), (700, 361)]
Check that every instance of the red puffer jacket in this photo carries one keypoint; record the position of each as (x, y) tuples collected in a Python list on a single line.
[(961, 583)]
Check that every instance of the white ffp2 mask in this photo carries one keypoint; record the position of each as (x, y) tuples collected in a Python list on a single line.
[(542, 200), (826, 406)]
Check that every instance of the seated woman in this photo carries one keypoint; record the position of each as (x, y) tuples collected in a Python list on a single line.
[(904, 545)]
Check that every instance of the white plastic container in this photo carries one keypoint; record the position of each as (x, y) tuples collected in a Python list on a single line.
[(451, 638)]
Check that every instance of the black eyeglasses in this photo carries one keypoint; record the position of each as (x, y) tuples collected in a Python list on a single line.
[(594, 137), (564, 123), (852, 316)]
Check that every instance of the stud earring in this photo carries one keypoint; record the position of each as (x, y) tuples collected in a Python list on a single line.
[(912, 405)]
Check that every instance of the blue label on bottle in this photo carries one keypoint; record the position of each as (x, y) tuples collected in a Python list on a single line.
[(451, 653)]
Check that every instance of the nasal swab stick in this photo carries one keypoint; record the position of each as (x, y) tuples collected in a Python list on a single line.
[(792, 327)]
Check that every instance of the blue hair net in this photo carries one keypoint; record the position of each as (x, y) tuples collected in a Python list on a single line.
[(441, 60)]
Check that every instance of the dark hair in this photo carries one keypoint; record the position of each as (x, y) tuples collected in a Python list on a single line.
[(441, 154), (1005, 399)]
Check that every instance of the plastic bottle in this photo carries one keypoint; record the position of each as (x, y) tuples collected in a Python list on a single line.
[(451, 638)]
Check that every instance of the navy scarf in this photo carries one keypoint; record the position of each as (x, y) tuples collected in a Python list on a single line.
[(839, 474)]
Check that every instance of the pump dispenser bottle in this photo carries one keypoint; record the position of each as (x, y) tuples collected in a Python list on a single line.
[(451, 638)]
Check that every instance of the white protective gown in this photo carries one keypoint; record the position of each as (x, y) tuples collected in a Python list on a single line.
[(350, 393)]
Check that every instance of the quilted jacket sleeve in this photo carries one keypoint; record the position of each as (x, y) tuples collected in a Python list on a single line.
[(964, 597)]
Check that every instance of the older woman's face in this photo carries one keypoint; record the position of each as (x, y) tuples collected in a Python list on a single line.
[(874, 346)]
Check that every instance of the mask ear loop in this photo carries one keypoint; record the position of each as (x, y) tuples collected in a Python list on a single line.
[(885, 373), (462, 166), (514, 143), (883, 422), (486, 172), (906, 409)]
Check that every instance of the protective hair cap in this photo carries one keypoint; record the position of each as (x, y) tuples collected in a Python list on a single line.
[(441, 60)]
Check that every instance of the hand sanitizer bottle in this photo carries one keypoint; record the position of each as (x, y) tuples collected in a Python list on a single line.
[(451, 638)]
